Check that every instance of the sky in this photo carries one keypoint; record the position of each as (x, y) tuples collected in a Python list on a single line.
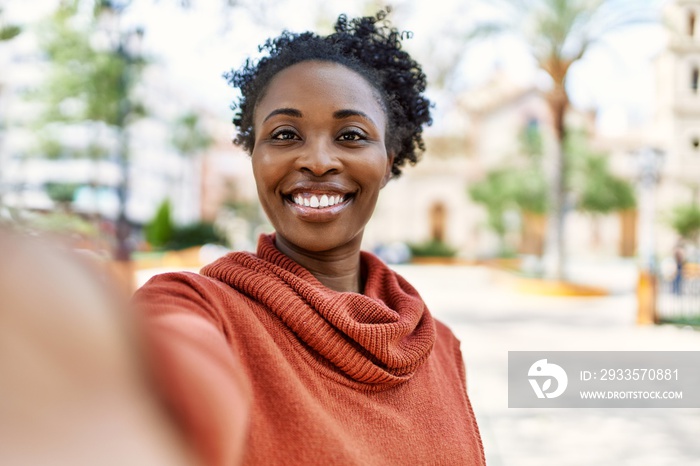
[(198, 44)]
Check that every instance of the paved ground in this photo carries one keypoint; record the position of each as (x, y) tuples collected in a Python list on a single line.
[(490, 320)]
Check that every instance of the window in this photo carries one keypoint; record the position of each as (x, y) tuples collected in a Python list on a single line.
[(695, 75)]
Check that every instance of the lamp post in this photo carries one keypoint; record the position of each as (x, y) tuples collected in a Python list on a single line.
[(650, 161)]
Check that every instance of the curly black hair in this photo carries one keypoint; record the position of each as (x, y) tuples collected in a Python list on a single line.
[(366, 45)]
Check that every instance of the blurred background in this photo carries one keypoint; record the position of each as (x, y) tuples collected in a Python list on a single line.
[(563, 160)]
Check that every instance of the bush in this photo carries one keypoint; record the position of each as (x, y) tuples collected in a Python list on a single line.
[(432, 248), (194, 234), (62, 193), (159, 231)]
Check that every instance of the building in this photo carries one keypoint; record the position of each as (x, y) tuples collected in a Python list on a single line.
[(677, 123), (431, 200)]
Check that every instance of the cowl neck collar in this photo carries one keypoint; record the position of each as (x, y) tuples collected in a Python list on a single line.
[(380, 337)]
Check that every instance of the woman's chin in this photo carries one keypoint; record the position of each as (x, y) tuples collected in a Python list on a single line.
[(309, 242)]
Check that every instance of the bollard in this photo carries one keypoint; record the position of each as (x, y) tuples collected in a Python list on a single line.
[(646, 298)]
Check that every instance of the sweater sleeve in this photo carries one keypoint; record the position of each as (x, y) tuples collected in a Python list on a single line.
[(194, 366)]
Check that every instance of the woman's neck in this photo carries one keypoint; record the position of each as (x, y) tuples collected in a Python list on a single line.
[(338, 269)]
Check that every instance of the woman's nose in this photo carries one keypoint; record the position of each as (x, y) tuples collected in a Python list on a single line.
[(318, 158)]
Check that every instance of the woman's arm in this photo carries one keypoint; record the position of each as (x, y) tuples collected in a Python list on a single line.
[(194, 366), (72, 388)]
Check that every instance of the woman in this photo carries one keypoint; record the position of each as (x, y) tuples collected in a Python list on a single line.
[(311, 351)]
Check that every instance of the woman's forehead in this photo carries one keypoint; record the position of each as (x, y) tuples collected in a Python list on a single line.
[(317, 84)]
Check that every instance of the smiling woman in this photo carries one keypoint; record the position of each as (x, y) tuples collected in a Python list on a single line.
[(312, 351), (320, 138)]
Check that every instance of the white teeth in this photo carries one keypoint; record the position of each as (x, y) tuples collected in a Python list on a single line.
[(318, 203)]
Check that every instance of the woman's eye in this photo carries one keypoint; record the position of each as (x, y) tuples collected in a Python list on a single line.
[(284, 135), (352, 136)]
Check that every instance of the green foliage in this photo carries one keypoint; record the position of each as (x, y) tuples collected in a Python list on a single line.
[(84, 84), (72, 58), (685, 220), (63, 193), (496, 192), (50, 148), (9, 32), (159, 231), (525, 188), (516, 188), (432, 248), (194, 234), (530, 190), (507, 189), (690, 320), (597, 189), (162, 233), (603, 193)]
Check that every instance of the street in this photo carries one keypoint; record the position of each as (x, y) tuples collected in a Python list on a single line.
[(490, 319)]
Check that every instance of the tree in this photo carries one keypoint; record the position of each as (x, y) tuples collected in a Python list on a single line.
[(519, 187), (496, 193), (597, 190), (85, 84), (685, 220), (522, 185), (558, 33), (89, 87), (600, 192), (512, 189)]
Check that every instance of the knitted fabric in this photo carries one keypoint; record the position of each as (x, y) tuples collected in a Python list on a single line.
[(309, 375)]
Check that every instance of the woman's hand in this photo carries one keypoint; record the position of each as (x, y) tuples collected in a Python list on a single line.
[(72, 389)]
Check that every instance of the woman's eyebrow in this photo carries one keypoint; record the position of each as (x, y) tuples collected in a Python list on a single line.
[(293, 112), (341, 114)]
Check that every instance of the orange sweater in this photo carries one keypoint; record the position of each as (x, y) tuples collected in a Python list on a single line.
[(263, 364)]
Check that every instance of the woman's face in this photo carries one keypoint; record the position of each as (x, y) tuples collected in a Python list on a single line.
[(320, 157)]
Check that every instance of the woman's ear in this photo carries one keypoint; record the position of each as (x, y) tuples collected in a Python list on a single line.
[(389, 164)]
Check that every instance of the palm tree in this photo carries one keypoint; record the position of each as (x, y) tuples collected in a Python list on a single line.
[(558, 33)]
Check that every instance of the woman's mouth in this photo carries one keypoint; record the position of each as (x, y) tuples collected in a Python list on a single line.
[(317, 201), (318, 206)]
